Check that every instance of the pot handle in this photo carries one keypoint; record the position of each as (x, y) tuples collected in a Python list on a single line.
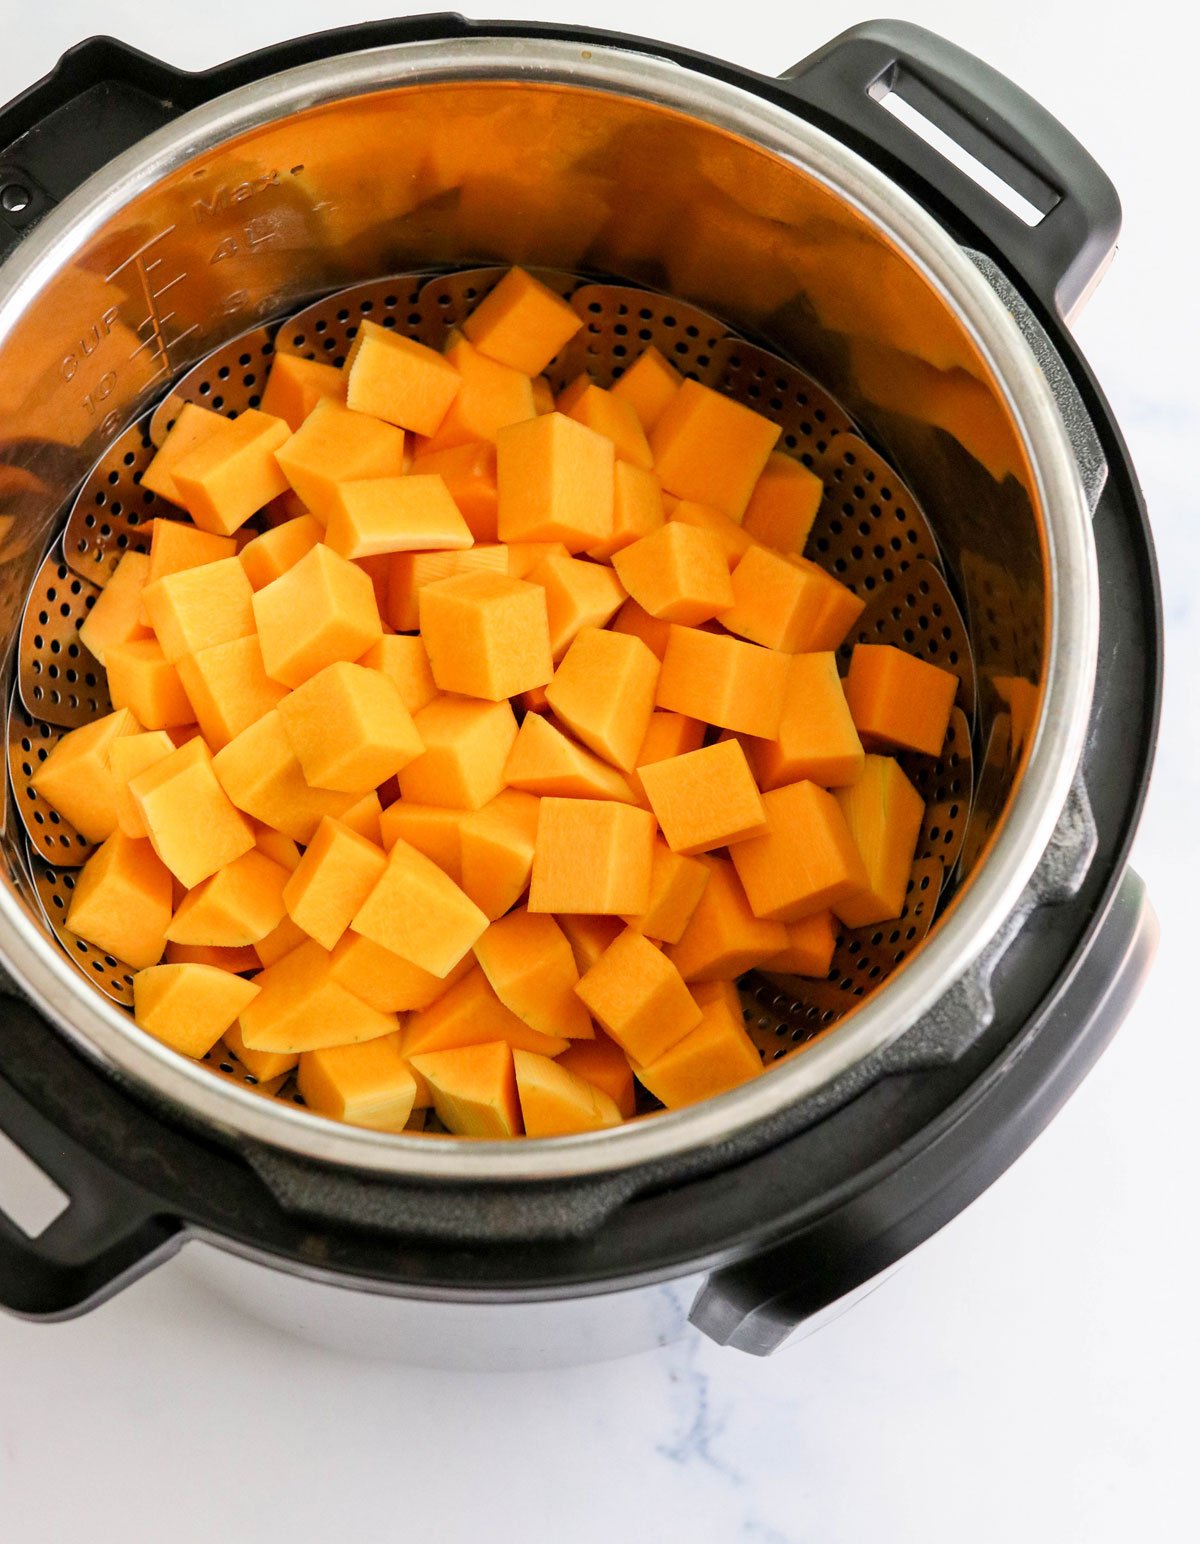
[(1074, 204), (802, 1282), (110, 1231)]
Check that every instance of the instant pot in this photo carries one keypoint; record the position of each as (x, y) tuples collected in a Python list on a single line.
[(151, 219)]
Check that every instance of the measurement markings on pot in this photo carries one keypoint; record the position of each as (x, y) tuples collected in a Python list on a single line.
[(152, 287)]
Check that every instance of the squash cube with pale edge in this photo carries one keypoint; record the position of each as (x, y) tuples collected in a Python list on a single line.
[(469, 472), (816, 740), (116, 616), (301, 1008), (188, 816), (899, 701), (711, 1059), (602, 1063), (556, 1102), (228, 688), (142, 679), (378, 515), (176, 545), (496, 851), (410, 572), (723, 681), (615, 420), (604, 692), (399, 380), (259, 771), (467, 743), (193, 425), (724, 937), (431, 828), (335, 445), (127, 756), (676, 885), (264, 1065), (189, 1007), (197, 608), (593, 856), (810, 946), (406, 661), (531, 968), (384, 980), (474, 1089), (544, 761), (487, 635), (883, 813), (239, 905), (639, 997), (784, 504), (338, 871), (349, 728), (296, 385), (706, 798), (232, 473), (280, 548), (637, 509), (470, 1013), (522, 323), (122, 901), (321, 611), (419, 913), (709, 448), (578, 595), (806, 859), (490, 397), (365, 1085), (555, 483), (677, 573), (648, 385), (76, 779)]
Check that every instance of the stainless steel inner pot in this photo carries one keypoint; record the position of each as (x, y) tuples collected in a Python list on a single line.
[(597, 160)]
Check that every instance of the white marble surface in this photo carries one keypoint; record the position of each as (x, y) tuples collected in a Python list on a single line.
[(1030, 1374)]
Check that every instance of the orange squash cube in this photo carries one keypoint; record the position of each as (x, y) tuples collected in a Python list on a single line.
[(723, 681), (677, 573), (883, 813), (899, 701), (116, 616), (295, 386), (531, 968), (733, 541), (410, 572), (238, 906), (784, 504), (378, 515), (365, 1085), (321, 611), (648, 385), (469, 472), (490, 397), (193, 426), (260, 773), (544, 761), (264, 1065), (555, 482), (816, 740), (406, 661), (282, 940), (616, 420), (121, 902), (474, 1089), (189, 1007), (470, 1013), (127, 756), (592, 855), (366, 817), (525, 556), (142, 679), (637, 509), (556, 1102), (578, 595), (805, 861), (705, 798), (589, 937), (543, 396), (237, 961), (399, 380), (432, 829), (349, 728), (724, 937), (639, 997), (301, 1008), (711, 449), (810, 946), (384, 980), (419, 913), (335, 445), (279, 848), (232, 472), (338, 871), (667, 734), (789, 604), (487, 635), (176, 545), (522, 323), (711, 1059), (280, 548), (228, 688), (676, 885), (188, 817), (653, 631), (467, 743), (602, 1063), (495, 848), (197, 608), (603, 691), (76, 778)]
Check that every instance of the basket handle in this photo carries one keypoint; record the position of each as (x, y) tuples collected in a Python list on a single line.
[(1075, 207)]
